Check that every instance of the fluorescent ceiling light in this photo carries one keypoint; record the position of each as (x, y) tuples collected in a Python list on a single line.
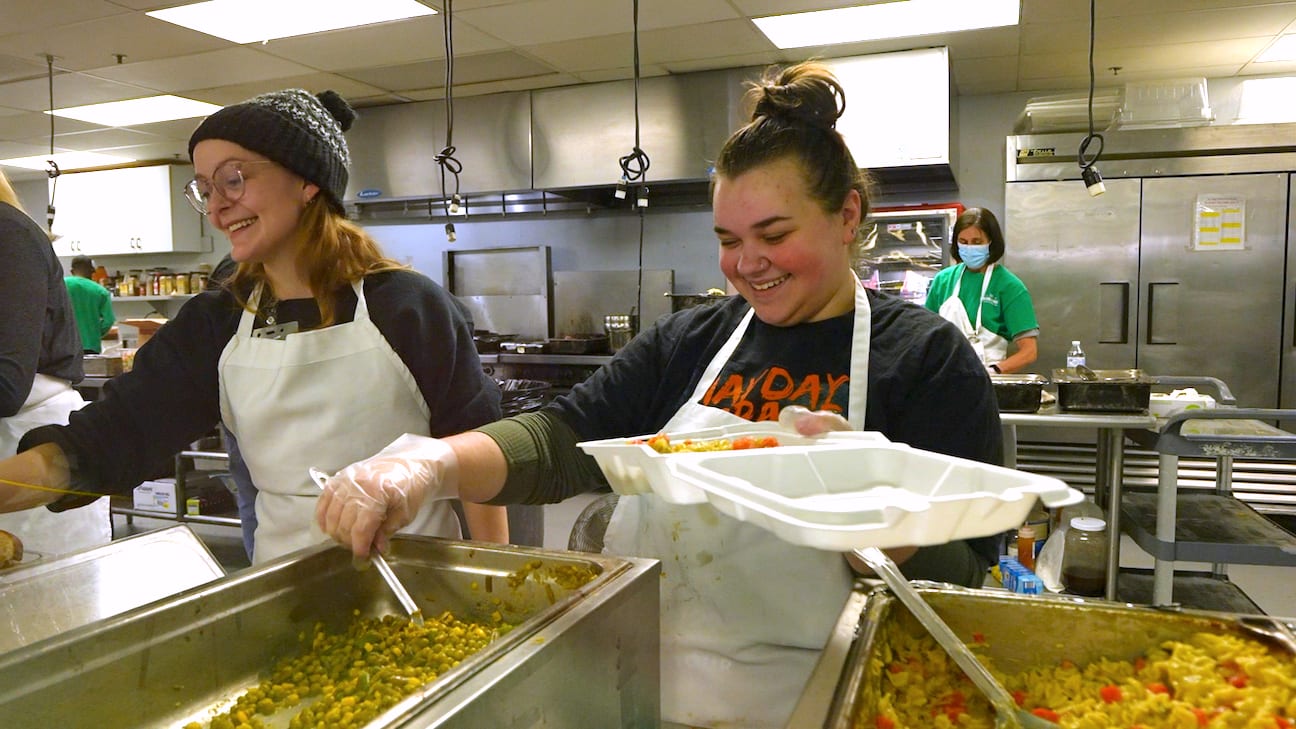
[(1267, 100), (137, 111), (251, 21), (902, 19), (65, 160), (1284, 49)]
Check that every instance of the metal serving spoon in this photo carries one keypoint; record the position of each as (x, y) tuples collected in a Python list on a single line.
[(402, 595), (1007, 712)]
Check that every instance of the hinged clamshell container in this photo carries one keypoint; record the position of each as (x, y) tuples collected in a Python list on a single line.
[(840, 491)]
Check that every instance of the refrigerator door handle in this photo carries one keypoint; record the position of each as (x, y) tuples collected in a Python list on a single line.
[(1163, 312), (1113, 312)]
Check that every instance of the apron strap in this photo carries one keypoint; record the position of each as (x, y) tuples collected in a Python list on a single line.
[(985, 286)]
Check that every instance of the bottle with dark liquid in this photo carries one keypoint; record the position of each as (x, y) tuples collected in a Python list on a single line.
[(1084, 557)]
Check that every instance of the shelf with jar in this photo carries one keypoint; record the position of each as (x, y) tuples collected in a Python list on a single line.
[(168, 297)]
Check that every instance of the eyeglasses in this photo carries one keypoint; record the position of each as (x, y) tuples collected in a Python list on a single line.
[(228, 180)]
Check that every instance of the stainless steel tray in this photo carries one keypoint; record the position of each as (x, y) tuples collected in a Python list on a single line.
[(1018, 393), (579, 654), (1020, 632), (45, 597), (1113, 391)]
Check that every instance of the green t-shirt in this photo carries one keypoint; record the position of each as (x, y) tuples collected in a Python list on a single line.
[(92, 306), (1006, 309)]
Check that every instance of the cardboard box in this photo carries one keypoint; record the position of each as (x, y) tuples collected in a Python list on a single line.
[(157, 495)]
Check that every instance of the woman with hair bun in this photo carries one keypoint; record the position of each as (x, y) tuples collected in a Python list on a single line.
[(744, 615)]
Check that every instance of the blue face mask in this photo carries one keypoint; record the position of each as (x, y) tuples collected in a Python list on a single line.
[(974, 256)]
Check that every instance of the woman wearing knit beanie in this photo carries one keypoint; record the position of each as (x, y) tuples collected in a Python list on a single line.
[(317, 352)]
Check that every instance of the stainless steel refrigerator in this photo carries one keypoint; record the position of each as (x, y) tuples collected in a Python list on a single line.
[(1139, 277)]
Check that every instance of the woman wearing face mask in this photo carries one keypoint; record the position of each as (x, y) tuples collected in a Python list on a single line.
[(986, 300)]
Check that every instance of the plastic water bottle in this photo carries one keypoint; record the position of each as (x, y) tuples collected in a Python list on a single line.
[(1076, 357)]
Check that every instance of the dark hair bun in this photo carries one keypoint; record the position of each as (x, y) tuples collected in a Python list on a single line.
[(806, 93), (338, 107)]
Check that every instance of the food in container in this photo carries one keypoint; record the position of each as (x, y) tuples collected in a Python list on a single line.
[(1116, 391), (839, 491), (1064, 658), (1018, 393)]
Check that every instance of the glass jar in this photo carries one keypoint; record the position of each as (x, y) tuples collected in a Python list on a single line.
[(1084, 557)]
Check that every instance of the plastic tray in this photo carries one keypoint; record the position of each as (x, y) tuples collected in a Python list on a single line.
[(633, 468)]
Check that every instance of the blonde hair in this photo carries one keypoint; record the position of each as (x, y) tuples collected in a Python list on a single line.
[(7, 193), (332, 250)]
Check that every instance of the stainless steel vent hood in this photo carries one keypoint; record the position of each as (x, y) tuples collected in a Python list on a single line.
[(1200, 150), (566, 141)]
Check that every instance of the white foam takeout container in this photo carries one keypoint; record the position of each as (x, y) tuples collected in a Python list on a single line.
[(844, 492), (635, 468)]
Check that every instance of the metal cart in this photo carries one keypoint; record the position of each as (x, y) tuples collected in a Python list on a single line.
[(1174, 525)]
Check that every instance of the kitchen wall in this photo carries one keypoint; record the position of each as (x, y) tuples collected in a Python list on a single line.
[(675, 238)]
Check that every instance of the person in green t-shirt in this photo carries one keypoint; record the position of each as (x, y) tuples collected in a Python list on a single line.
[(91, 304), (986, 300)]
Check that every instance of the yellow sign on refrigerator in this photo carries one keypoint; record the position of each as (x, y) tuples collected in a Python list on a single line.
[(1219, 223)]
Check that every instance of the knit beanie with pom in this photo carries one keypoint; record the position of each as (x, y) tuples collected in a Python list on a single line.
[(299, 130)]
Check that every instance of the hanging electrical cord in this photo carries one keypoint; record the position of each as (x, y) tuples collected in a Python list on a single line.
[(1088, 171), (445, 159), (634, 166), (53, 170)]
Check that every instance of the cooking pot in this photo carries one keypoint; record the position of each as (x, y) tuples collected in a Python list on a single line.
[(680, 302)]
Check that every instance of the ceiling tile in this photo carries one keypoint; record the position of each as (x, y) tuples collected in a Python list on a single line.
[(93, 44), (232, 65), (468, 70), (696, 42), (385, 44), (25, 16), (70, 89), (156, 151), (758, 8), (14, 68), (549, 21), (314, 82), (544, 81), (586, 54), (34, 125), (101, 139)]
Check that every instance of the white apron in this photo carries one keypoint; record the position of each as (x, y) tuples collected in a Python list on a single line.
[(744, 614), (990, 347), (43, 531), (326, 398)]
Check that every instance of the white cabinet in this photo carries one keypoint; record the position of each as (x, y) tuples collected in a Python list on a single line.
[(126, 210)]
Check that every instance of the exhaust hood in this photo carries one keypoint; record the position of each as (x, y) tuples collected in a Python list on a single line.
[(565, 142)]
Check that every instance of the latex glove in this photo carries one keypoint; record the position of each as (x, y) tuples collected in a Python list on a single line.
[(807, 422), (370, 500)]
